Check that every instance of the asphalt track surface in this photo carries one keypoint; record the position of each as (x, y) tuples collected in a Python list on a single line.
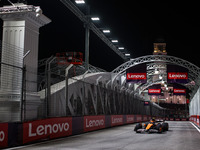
[(181, 136)]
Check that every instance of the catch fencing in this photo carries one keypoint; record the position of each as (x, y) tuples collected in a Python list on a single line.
[(29, 94)]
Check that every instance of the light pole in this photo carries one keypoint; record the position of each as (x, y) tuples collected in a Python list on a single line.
[(87, 48)]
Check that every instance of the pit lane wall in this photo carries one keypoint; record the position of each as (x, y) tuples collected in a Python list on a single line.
[(15, 134)]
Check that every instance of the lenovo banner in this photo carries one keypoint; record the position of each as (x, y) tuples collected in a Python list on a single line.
[(93, 123), (137, 74), (179, 89), (154, 90), (3, 135), (177, 74), (48, 128), (117, 120)]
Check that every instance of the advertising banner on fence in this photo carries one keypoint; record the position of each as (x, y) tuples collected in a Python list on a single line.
[(177, 74), (47, 128), (137, 74), (3, 135), (93, 123), (117, 120)]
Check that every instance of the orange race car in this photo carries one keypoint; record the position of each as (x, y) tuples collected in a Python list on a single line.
[(152, 127)]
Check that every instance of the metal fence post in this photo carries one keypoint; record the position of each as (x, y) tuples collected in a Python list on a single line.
[(66, 85), (23, 94)]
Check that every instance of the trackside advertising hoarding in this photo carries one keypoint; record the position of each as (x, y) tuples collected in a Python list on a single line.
[(3, 135), (93, 123), (130, 118), (117, 120), (48, 128), (138, 118), (137, 74)]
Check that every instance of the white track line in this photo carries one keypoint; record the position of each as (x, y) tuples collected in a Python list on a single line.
[(195, 127)]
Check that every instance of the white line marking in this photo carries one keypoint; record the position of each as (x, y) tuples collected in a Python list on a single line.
[(195, 127)]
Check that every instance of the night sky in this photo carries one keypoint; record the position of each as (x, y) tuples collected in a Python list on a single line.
[(136, 24)]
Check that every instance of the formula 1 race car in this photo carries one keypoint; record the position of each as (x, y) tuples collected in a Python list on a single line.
[(152, 127)]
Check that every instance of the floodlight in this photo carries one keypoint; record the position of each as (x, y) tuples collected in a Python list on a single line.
[(115, 41), (127, 54), (38, 11), (95, 18), (121, 48), (106, 31), (80, 1), (156, 71)]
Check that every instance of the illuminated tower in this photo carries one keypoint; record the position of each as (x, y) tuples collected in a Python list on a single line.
[(21, 25), (159, 49), (160, 68)]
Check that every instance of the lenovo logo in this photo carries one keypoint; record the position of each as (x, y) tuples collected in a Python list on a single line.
[(129, 118), (177, 75), (48, 129), (94, 123), (179, 90), (2, 136), (116, 120), (136, 76)]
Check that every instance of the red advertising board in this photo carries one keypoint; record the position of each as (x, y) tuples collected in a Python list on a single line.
[(145, 118), (117, 120), (130, 118), (136, 76), (178, 75), (47, 128), (93, 123), (154, 91), (197, 122), (179, 91), (3, 135)]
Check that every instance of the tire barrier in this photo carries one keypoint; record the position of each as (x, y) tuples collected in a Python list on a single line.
[(15, 134)]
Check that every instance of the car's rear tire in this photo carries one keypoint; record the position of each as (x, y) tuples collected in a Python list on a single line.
[(165, 126), (159, 128)]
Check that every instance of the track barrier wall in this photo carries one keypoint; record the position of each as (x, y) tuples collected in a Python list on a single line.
[(15, 134), (195, 119)]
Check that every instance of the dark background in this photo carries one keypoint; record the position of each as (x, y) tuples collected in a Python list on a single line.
[(136, 24)]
